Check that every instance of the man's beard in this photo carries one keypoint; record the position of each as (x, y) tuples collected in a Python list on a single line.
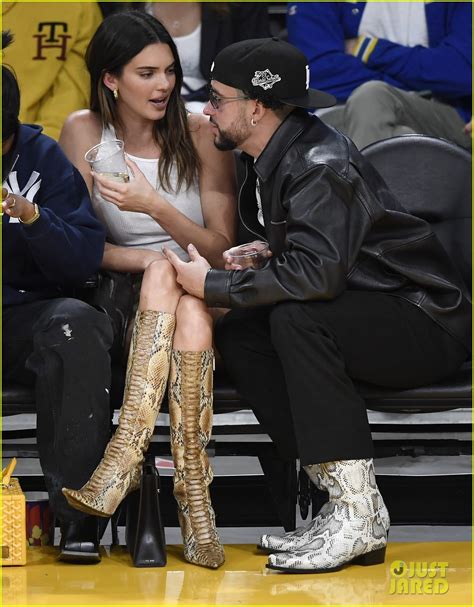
[(224, 143)]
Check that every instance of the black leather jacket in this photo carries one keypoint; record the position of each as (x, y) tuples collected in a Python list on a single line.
[(332, 224)]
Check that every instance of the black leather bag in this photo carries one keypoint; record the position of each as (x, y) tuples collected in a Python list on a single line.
[(145, 535)]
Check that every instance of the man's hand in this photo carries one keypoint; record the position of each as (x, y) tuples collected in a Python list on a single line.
[(468, 128), (17, 206), (190, 275), (350, 45)]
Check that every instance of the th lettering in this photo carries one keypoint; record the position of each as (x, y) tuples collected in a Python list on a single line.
[(52, 34)]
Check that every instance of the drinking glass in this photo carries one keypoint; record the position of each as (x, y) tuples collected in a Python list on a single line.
[(250, 255), (108, 159)]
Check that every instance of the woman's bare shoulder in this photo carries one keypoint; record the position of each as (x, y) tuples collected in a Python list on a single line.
[(83, 123), (201, 131), (213, 161), (198, 123), (81, 131)]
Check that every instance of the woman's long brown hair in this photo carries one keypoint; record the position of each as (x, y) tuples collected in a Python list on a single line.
[(119, 38)]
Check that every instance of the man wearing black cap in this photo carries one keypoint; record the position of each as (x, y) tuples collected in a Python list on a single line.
[(355, 289)]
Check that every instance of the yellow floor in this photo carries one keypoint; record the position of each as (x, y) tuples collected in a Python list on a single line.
[(242, 580)]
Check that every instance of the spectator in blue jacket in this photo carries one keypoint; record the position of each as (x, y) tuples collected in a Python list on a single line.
[(58, 345), (402, 67)]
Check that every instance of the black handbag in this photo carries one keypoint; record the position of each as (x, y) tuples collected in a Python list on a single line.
[(145, 534)]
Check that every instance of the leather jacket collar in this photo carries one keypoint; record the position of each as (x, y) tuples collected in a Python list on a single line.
[(281, 140)]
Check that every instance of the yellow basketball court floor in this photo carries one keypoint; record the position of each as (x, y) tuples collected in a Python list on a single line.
[(417, 573)]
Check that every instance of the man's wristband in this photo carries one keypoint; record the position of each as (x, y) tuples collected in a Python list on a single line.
[(32, 219)]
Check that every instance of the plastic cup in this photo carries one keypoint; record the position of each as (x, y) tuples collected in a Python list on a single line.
[(108, 159), (250, 255)]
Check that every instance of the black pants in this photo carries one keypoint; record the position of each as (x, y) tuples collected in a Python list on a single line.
[(60, 346), (294, 363)]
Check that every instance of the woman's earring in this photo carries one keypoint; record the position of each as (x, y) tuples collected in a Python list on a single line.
[(253, 123), (115, 94)]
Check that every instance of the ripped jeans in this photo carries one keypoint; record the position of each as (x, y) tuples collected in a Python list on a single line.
[(61, 347)]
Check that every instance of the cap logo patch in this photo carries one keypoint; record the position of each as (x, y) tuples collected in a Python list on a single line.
[(265, 79)]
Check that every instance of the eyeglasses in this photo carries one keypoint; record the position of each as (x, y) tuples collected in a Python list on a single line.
[(216, 100)]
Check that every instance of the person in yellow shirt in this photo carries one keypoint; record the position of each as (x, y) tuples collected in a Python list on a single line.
[(48, 58)]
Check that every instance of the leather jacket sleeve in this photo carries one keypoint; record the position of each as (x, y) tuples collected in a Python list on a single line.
[(325, 227)]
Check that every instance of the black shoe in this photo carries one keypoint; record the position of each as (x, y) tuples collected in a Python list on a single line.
[(80, 541)]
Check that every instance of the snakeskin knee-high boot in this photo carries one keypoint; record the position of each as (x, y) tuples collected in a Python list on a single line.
[(119, 471), (190, 406)]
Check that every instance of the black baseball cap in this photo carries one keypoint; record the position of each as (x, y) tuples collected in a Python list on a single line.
[(271, 65)]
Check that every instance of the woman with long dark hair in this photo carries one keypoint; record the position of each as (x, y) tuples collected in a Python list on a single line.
[(181, 191), (200, 30)]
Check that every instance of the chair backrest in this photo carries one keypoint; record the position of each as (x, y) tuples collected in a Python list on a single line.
[(431, 178)]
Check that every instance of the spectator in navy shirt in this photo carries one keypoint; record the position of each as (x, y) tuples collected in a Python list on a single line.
[(54, 343)]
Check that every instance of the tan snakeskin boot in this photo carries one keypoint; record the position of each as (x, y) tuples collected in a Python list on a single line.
[(190, 406), (119, 471)]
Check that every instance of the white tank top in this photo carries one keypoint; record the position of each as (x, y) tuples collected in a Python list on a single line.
[(129, 229)]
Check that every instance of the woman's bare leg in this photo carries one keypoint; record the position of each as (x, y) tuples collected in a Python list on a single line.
[(160, 291), (193, 331)]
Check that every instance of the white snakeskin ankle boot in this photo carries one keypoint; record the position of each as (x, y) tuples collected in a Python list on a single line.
[(302, 536), (351, 528), (297, 539)]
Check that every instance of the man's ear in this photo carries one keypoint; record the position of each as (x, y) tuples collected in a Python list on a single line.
[(110, 81), (259, 111)]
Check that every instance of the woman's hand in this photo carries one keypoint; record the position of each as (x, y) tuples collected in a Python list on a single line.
[(137, 195), (15, 205)]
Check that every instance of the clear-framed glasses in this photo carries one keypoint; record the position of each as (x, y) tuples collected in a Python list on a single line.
[(217, 100)]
